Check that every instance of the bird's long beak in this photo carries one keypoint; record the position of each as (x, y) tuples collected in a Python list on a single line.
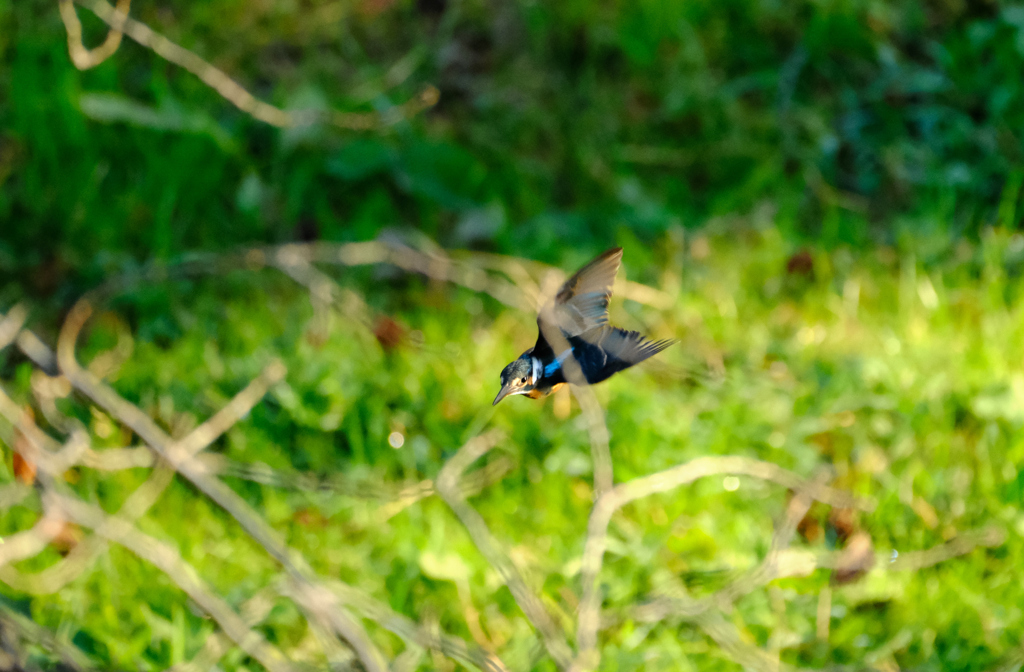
[(501, 394)]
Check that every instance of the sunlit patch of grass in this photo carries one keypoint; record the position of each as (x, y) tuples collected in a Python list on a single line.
[(901, 378)]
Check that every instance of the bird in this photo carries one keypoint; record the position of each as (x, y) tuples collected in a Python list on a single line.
[(575, 324)]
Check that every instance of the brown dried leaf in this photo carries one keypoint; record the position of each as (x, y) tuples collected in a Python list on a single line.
[(390, 334), (24, 470), (855, 560), (802, 264), (843, 522), (809, 528)]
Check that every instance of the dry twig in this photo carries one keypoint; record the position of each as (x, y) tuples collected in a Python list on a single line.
[(119, 22), (448, 488), (612, 501), (600, 452), (327, 603), (185, 464), (170, 563), (83, 57)]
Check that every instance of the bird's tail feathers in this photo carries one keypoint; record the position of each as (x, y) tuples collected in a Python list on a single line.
[(631, 346)]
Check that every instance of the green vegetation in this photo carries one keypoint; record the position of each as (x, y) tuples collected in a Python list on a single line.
[(823, 195), (558, 125)]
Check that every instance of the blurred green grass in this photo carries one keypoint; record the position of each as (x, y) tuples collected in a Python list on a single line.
[(713, 141), (558, 126), (904, 380)]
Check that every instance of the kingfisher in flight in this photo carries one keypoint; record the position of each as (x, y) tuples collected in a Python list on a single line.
[(575, 325)]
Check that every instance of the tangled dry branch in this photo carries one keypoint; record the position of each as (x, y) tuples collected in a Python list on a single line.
[(333, 609), (121, 24)]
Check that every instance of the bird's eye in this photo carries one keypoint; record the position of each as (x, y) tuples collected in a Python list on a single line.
[(522, 381)]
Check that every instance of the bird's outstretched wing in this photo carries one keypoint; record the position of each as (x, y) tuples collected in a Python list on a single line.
[(581, 305), (624, 348), (607, 350)]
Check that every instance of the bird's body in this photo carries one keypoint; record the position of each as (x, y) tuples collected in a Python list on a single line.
[(575, 326)]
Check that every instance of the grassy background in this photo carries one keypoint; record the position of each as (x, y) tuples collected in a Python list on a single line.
[(713, 140), (558, 127)]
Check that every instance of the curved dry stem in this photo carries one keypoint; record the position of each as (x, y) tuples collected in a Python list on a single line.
[(187, 466), (167, 560), (252, 611), (448, 487), (413, 633), (797, 508), (523, 273), (17, 626), (469, 270), (659, 607), (108, 362), (37, 351), (962, 544), (116, 459), (11, 324), (645, 294), (324, 292), (324, 607), (518, 271), (435, 265), (27, 543), (55, 577), (47, 390), (198, 473), (608, 504), (730, 640), (52, 579), (38, 447), (600, 452), (83, 57), (237, 95), (243, 402)]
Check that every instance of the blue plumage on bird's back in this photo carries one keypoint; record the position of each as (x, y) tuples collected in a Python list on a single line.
[(556, 365)]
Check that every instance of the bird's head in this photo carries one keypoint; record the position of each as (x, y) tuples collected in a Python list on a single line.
[(516, 378)]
